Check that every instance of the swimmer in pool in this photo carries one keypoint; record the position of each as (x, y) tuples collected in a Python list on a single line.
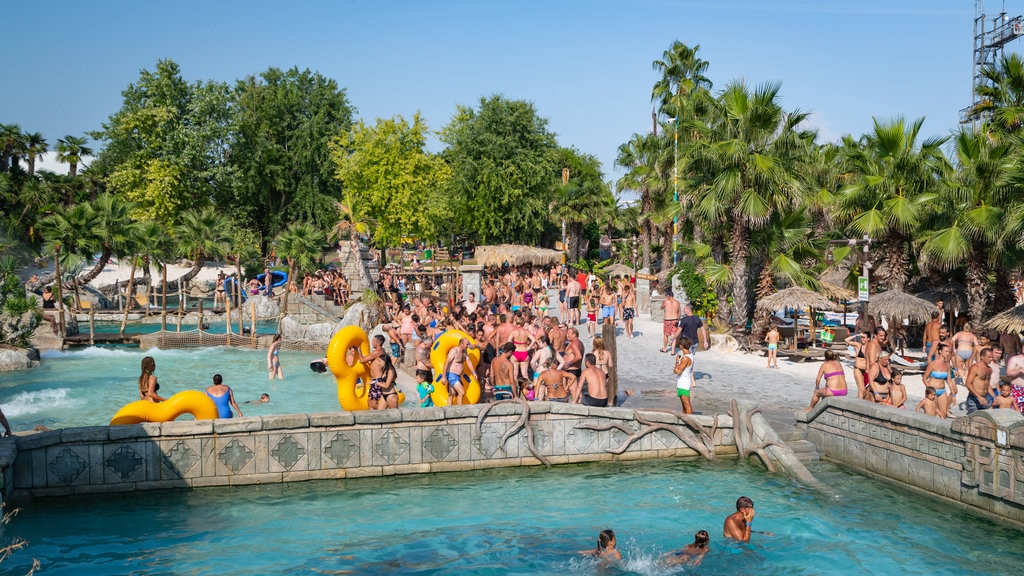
[(263, 399), (737, 524), (691, 554), (605, 547)]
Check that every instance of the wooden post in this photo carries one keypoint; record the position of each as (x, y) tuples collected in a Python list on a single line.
[(200, 326), (181, 305), (252, 321), (163, 301), (60, 303), (608, 334), (227, 321), (92, 326)]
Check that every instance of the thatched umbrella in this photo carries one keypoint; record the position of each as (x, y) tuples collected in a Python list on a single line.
[(952, 293), (834, 292), (796, 297), (516, 255), (1008, 322), (897, 304), (617, 270)]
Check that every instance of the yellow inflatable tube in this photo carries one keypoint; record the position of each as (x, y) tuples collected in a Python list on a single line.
[(353, 381), (192, 402), (439, 353)]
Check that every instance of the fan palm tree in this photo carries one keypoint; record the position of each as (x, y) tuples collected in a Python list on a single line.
[(202, 235), (747, 179), (300, 244), (969, 213), (578, 203), (12, 143), (36, 147), (1002, 95), (71, 150), (145, 242), (72, 234), (639, 157), (893, 185), (115, 229)]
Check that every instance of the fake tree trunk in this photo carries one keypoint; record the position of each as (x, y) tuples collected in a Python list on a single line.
[(740, 244), (896, 261), (128, 297), (977, 286)]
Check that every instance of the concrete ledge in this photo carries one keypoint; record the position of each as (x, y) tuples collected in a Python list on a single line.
[(141, 430), (187, 428), (423, 414), (330, 419), (230, 425), (378, 416), (38, 440), (285, 422)]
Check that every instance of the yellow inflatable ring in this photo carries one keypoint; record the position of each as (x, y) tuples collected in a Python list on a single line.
[(192, 402), (353, 381), (439, 353)]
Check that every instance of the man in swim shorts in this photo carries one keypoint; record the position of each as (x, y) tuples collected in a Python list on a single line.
[(573, 353), (979, 394), (503, 373), (671, 307), (608, 300), (455, 366), (572, 295), (593, 388)]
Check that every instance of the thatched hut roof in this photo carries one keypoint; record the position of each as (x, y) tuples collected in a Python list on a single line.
[(899, 305), (835, 292), (795, 297), (516, 255), (617, 270), (952, 293), (1009, 322)]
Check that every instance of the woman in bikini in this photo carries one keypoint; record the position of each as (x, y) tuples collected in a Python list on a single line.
[(274, 359), (218, 292), (148, 386), (604, 357), (937, 375), (878, 380), (523, 341), (857, 343), (835, 379), (542, 354), (388, 389)]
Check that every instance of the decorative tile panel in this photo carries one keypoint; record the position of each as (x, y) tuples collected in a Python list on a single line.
[(67, 465), (235, 455), (124, 462), (288, 452)]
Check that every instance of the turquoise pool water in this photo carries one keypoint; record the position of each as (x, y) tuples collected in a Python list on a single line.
[(86, 387), (215, 324), (517, 521)]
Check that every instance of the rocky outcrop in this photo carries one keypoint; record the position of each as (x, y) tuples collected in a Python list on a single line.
[(357, 314), (18, 359)]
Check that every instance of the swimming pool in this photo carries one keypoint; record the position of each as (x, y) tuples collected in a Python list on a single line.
[(86, 387), (522, 521)]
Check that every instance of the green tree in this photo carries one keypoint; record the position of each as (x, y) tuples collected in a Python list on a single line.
[(970, 212), (1003, 94), (285, 120), (891, 191), (12, 144), (166, 147), (580, 201), (502, 157), (202, 235), (640, 157), (36, 146), (301, 244), (389, 176), (71, 150)]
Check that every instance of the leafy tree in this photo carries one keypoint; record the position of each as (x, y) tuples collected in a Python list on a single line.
[(285, 120), (502, 157), (890, 194), (165, 147), (301, 245), (580, 201), (391, 179), (202, 235)]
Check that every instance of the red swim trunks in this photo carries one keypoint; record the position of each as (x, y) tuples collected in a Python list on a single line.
[(670, 327)]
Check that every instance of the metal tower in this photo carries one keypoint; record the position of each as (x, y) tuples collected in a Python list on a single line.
[(988, 48)]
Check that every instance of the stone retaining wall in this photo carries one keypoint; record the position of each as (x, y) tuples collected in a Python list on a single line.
[(288, 448), (976, 460)]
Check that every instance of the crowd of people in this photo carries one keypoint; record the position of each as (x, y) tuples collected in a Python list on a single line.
[(988, 364)]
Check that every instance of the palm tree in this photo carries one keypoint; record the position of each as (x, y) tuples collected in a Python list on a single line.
[(71, 150), (72, 233), (115, 230), (202, 235), (350, 222), (578, 203), (36, 147), (639, 157), (891, 190), (970, 212), (746, 179), (147, 241), (1003, 94), (300, 244), (682, 80), (12, 143)]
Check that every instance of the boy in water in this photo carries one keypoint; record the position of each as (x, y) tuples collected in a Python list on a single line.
[(929, 404), (691, 554), (772, 339), (1005, 398), (737, 524), (425, 389), (264, 398)]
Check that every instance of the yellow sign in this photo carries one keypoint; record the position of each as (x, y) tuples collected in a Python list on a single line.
[(646, 276), (559, 246)]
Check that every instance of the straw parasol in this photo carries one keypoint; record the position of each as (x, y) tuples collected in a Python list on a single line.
[(897, 304), (952, 293), (796, 297), (617, 270), (516, 255), (1008, 322), (834, 292)]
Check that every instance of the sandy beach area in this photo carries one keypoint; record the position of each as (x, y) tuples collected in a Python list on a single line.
[(723, 376), (119, 272)]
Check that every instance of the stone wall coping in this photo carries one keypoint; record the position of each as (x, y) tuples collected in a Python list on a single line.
[(884, 413)]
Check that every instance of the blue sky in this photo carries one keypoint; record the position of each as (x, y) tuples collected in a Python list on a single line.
[(585, 65)]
